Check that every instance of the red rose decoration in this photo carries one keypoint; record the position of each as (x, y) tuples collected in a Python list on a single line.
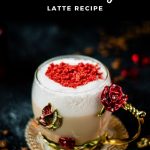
[(47, 110), (47, 115), (113, 97), (67, 142)]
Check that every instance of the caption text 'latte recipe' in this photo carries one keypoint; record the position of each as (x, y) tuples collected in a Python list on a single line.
[(75, 8)]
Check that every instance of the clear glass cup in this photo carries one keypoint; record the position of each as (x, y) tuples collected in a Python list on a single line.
[(79, 109)]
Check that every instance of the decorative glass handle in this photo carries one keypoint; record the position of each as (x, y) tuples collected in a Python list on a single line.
[(113, 98), (140, 118)]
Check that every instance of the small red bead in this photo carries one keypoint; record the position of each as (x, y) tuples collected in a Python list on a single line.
[(135, 58), (67, 142)]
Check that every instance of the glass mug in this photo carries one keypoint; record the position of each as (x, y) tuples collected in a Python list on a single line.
[(78, 109)]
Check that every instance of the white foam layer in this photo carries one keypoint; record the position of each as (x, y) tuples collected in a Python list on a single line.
[(70, 102), (52, 85)]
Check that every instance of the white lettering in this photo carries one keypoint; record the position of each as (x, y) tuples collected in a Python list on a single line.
[(95, 8), (109, 1), (76, 8), (81, 8), (88, 8), (48, 9), (59, 8), (100, 8)]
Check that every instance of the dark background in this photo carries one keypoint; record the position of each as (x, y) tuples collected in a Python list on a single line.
[(25, 45)]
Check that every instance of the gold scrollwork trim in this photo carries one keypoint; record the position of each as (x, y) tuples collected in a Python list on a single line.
[(144, 142)]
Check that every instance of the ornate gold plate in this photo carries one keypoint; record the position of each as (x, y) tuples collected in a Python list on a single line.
[(115, 129)]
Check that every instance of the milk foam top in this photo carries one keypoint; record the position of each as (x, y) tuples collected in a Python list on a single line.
[(80, 101), (52, 85)]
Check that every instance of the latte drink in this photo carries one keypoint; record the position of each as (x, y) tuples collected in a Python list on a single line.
[(72, 85)]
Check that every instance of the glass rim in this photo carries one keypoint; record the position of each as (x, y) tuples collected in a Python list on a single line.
[(68, 56)]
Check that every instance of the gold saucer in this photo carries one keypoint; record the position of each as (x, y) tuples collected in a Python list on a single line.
[(115, 129)]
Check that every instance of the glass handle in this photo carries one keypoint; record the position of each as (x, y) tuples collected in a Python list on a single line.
[(139, 115)]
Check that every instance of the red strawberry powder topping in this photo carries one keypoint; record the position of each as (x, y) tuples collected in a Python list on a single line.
[(73, 75)]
